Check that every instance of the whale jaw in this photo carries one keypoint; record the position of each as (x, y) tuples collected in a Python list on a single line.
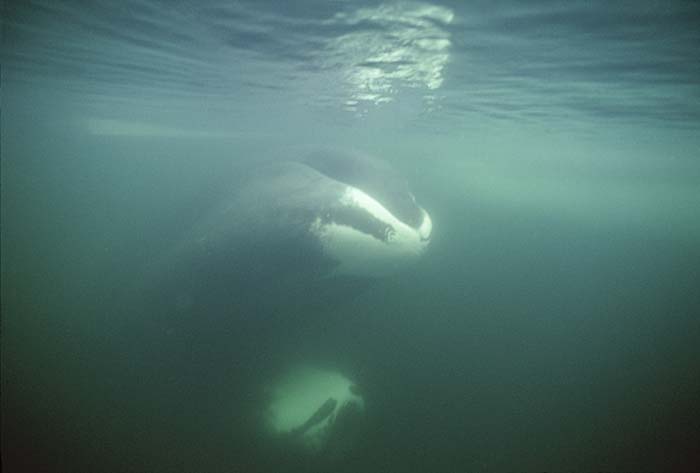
[(362, 253)]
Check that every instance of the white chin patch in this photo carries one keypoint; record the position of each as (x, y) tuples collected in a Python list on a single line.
[(362, 254)]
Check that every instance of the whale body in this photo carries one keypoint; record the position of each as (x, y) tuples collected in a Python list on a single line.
[(328, 215)]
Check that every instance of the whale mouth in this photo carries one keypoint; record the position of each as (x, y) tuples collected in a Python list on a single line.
[(361, 251), (425, 229), (360, 219)]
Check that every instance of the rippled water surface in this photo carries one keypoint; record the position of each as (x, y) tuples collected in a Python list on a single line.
[(552, 325)]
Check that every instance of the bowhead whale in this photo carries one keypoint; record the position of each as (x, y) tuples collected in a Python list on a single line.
[(326, 216)]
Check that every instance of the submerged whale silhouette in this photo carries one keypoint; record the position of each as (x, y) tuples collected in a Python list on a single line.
[(327, 216)]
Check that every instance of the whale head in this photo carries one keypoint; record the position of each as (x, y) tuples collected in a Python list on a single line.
[(375, 226)]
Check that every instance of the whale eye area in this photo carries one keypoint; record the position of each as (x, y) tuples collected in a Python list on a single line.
[(359, 219)]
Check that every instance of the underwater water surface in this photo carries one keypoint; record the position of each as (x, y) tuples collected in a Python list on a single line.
[(551, 323)]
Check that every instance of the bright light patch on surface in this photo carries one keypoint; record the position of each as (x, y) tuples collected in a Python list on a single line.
[(406, 45)]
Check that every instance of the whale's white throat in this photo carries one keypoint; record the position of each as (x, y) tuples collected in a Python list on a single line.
[(361, 254)]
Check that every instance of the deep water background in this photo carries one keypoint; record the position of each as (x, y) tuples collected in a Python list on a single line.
[(552, 325)]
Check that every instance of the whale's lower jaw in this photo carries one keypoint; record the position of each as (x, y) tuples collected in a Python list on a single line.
[(359, 253)]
